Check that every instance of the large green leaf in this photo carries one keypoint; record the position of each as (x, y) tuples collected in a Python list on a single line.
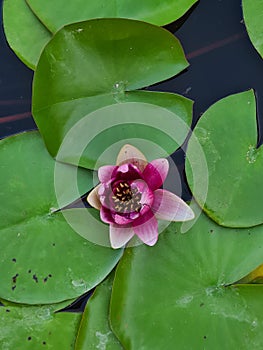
[(37, 327), (152, 11), (104, 56), (252, 11), (94, 331), (176, 295), (227, 132), (99, 136), (255, 276), (25, 34), (42, 258), (97, 63)]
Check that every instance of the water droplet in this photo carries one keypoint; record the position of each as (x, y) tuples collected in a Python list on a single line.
[(252, 154), (254, 323), (119, 87), (103, 340), (202, 135), (44, 313), (78, 283), (119, 90), (186, 299), (210, 291)]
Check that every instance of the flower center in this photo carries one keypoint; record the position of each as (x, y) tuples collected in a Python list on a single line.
[(125, 199)]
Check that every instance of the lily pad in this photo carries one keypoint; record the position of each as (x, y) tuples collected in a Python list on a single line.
[(94, 331), (43, 259), (256, 276), (37, 327), (252, 11), (99, 136), (152, 11), (178, 294), (25, 34), (98, 63), (235, 164)]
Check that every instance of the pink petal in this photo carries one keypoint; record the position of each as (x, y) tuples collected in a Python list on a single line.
[(130, 154), (105, 215), (121, 220), (155, 173), (102, 189), (120, 235), (93, 198), (168, 206), (124, 168), (105, 172), (147, 194), (127, 172), (104, 193), (146, 228)]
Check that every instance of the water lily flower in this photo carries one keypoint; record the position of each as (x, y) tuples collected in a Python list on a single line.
[(131, 201)]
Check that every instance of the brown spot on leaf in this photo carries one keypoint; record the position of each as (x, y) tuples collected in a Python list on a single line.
[(35, 278), (15, 277)]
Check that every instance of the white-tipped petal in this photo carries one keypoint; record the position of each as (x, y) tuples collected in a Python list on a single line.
[(93, 198), (120, 235), (105, 172), (146, 229), (168, 206), (131, 154)]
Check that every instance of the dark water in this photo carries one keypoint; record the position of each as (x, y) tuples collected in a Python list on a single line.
[(222, 62)]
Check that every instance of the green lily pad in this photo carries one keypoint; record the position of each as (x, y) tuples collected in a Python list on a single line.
[(177, 294), (252, 11), (94, 331), (43, 259), (98, 63), (99, 136), (37, 327), (25, 34), (152, 11), (256, 276), (234, 162), (104, 56)]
